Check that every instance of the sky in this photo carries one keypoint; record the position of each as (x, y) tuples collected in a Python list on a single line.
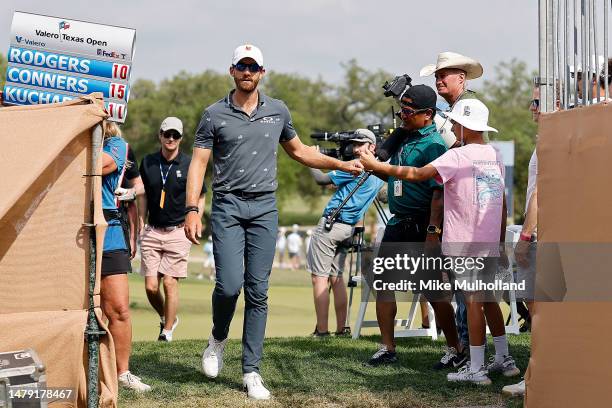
[(309, 37)]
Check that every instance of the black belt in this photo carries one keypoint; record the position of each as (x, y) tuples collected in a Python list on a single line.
[(245, 195), (168, 228), (414, 219), (338, 221)]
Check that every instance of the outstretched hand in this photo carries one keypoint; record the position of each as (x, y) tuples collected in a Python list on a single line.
[(368, 161), (354, 167)]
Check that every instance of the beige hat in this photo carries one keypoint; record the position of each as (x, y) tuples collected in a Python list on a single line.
[(170, 123), (472, 68)]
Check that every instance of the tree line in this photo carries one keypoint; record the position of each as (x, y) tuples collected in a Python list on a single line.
[(316, 105)]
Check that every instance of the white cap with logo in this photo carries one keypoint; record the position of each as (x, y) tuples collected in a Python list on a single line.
[(471, 114), (172, 123), (247, 51)]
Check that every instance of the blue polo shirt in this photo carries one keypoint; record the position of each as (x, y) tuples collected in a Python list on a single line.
[(116, 147), (359, 203)]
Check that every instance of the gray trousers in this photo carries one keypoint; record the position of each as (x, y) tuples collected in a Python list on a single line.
[(244, 240)]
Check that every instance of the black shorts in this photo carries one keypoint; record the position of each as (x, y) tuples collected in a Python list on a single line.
[(408, 237), (116, 262)]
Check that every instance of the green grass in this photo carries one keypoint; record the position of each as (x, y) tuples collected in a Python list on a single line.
[(304, 372), (300, 371)]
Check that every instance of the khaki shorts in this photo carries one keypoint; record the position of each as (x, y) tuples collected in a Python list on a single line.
[(326, 254), (164, 252)]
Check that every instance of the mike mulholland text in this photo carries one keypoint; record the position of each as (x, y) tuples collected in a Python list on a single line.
[(435, 285)]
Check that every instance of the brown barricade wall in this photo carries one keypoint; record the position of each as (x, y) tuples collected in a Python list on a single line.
[(569, 366), (44, 247)]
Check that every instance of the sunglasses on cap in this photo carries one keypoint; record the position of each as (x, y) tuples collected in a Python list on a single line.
[(253, 67), (171, 134)]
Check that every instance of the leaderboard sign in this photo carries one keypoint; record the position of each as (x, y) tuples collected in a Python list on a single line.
[(53, 59)]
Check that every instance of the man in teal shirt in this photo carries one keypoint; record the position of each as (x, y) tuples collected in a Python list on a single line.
[(417, 216)]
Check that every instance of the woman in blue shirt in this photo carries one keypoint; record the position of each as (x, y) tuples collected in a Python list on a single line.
[(116, 258)]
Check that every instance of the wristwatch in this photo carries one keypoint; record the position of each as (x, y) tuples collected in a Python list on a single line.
[(191, 208), (432, 229)]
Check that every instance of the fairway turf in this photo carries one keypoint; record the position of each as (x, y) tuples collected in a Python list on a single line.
[(305, 372), (300, 371)]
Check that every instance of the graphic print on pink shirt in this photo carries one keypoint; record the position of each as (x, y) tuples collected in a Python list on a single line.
[(473, 177)]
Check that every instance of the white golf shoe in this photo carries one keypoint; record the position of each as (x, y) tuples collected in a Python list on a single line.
[(212, 358), (253, 383)]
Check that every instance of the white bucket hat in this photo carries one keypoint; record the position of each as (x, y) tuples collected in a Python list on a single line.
[(471, 114), (472, 68)]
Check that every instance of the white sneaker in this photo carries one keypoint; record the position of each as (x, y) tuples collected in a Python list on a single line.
[(133, 382), (212, 358), (466, 375), (167, 335), (254, 386), (514, 390), (507, 367)]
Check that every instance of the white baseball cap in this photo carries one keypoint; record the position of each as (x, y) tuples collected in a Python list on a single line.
[(471, 114), (247, 51), (172, 122)]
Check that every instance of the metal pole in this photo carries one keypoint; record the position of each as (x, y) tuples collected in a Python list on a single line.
[(566, 73), (554, 52), (583, 49), (560, 88), (92, 331), (576, 18), (595, 49), (605, 52), (589, 33), (542, 53), (550, 60)]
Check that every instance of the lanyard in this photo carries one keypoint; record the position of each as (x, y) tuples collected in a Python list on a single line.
[(164, 178)]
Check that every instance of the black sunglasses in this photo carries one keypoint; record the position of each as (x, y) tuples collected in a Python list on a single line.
[(409, 111), (535, 103), (172, 134), (254, 67)]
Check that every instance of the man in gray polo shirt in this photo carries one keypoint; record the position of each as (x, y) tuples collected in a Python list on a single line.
[(243, 131)]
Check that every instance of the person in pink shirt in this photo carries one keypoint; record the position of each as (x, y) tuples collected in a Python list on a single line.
[(474, 228)]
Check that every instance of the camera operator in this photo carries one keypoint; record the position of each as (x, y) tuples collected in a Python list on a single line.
[(417, 216), (326, 254)]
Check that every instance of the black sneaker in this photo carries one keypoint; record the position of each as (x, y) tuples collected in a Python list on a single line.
[(382, 357), (345, 332), (162, 337), (161, 329), (451, 359), (317, 334)]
